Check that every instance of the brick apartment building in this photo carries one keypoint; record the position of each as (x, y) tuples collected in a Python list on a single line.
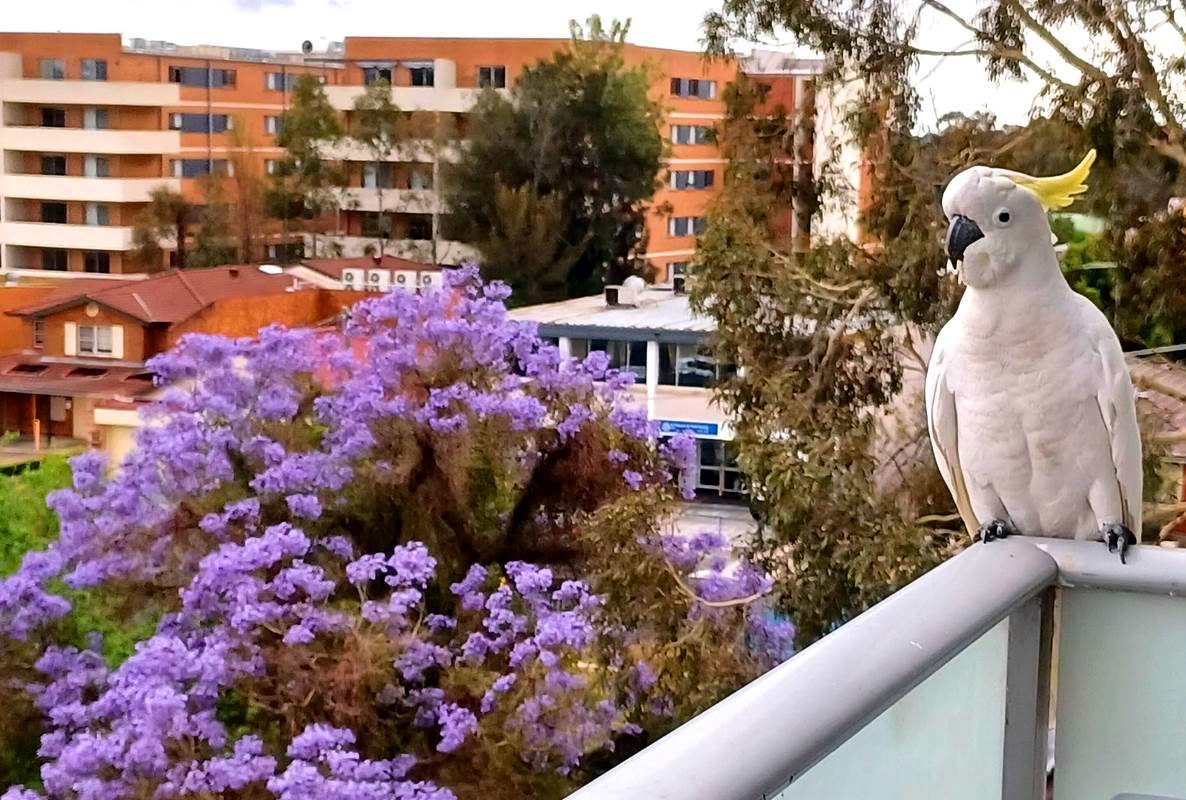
[(89, 126), (73, 355)]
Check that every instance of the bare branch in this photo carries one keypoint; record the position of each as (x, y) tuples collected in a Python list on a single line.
[(1055, 44)]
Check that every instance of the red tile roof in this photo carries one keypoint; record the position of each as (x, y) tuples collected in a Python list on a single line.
[(333, 267), (24, 374), (170, 297)]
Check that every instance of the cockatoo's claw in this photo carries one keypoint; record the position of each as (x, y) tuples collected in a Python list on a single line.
[(994, 529), (1118, 538)]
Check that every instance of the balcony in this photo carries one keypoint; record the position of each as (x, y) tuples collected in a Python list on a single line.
[(67, 237), (422, 151), (404, 201), (89, 190), (945, 689), (447, 251), (89, 93), (87, 140), (414, 98)]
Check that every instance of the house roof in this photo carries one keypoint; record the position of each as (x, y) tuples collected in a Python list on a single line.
[(1162, 386), (25, 374), (170, 297), (659, 311), (333, 267)]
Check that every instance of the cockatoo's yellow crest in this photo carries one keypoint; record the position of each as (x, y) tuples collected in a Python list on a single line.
[(1058, 191)]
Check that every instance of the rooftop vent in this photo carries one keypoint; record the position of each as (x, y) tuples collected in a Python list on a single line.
[(679, 284), (29, 368), (271, 269), (628, 294), (86, 372)]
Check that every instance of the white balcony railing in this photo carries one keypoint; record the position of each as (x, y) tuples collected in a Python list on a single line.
[(943, 691), (413, 98), (88, 140), (67, 237), (92, 190), (90, 93), (405, 201)]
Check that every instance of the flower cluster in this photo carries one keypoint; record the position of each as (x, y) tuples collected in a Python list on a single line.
[(331, 525)]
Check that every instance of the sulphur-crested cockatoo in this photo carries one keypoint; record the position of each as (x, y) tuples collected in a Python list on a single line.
[(1030, 407)]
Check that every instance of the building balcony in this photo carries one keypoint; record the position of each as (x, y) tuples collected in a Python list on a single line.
[(89, 190), (88, 140), (414, 98), (66, 237), (89, 93), (402, 201), (417, 151), (447, 252), (954, 687)]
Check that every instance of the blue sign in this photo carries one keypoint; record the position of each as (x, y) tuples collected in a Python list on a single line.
[(694, 428)]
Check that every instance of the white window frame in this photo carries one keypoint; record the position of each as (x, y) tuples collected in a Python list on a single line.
[(91, 168), (272, 125), (92, 116), (57, 69), (96, 334), (39, 333)]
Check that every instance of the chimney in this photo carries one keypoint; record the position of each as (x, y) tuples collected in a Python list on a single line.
[(611, 295), (377, 258), (234, 272)]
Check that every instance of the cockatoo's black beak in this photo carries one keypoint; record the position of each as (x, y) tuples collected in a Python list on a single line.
[(960, 235)]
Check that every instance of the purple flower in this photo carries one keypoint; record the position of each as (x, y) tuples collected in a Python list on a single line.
[(306, 506), (457, 724), (633, 479)]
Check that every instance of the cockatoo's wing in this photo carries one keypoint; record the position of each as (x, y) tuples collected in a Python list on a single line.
[(943, 426), (1117, 402)]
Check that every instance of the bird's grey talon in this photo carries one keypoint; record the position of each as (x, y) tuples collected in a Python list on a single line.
[(1118, 539), (993, 530)]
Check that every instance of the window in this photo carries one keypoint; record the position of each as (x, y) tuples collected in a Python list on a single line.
[(273, 125), (200, 76), (420, 179), (53, 259), (53, 69), (373, 75), (94, 118), (200, 123), (96, 166), (495, 77), (420, 229), (685, 226), (97, 214), (94, 69), (279, 81), (198, 167), (53, 118), (39, 333), (691, 178), (690, 134), (693, 87), (53, 212), (290, 251), (718, 468), (53, 165), (626, 356), (95, 340), (378, 176), (270, 166), (376, 225), (678, 268), (97, 262), (421, 75)]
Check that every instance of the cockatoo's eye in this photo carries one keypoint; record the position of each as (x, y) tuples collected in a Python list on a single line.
[(1002, 217)]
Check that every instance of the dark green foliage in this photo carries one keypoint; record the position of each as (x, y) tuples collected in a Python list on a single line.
[(578, 140)]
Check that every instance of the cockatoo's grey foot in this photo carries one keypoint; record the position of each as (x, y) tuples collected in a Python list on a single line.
[(994, 529), (1118, 538)]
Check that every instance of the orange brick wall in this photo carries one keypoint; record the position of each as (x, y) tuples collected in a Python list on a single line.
[(55, 329), (244, 316), (13, 334)]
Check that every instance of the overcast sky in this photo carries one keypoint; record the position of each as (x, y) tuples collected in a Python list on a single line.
[(953, 84)]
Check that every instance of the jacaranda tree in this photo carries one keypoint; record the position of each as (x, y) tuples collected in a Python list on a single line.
[(421, 557)]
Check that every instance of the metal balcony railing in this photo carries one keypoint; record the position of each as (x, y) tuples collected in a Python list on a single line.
[(949, 689)]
